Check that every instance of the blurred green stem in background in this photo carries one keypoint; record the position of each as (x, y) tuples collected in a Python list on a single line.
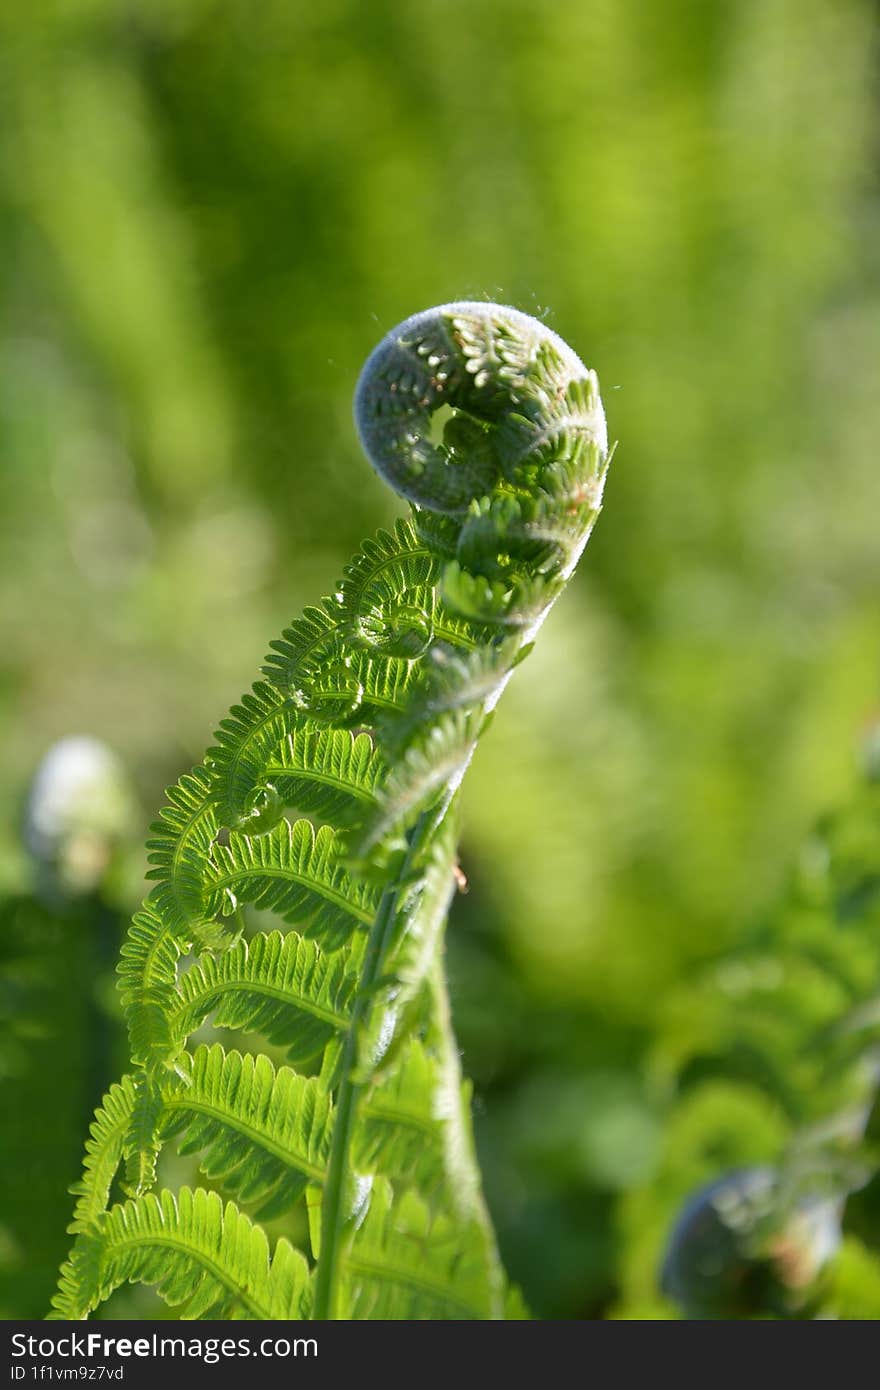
[(62, 1039)]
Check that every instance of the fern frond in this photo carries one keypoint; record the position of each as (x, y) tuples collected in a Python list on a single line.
[(142, 1142), (331, 774), (292, 657), (433, 764), (371, 707), (207, 1260), (282, 987), (454, 681), (412, 948), (512, 603), (405, 1263), (388, 591), (104, 1148), (296, 872), (180, 844), (401, 1136), (147, 974), (386, 565), (244, 744), (263, 1133), (385, 682)]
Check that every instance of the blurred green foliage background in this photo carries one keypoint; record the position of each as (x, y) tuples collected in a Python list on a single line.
[(210, 211)]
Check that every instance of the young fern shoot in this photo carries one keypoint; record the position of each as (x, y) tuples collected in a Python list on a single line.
[(329, 800)]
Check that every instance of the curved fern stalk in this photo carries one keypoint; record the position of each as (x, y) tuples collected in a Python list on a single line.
[(328, 802)]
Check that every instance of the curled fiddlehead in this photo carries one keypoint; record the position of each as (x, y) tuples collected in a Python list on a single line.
[(327, 800), (518, 400)]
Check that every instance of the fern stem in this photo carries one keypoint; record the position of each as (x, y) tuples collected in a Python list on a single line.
[(461, 1155), (333, 1206)]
